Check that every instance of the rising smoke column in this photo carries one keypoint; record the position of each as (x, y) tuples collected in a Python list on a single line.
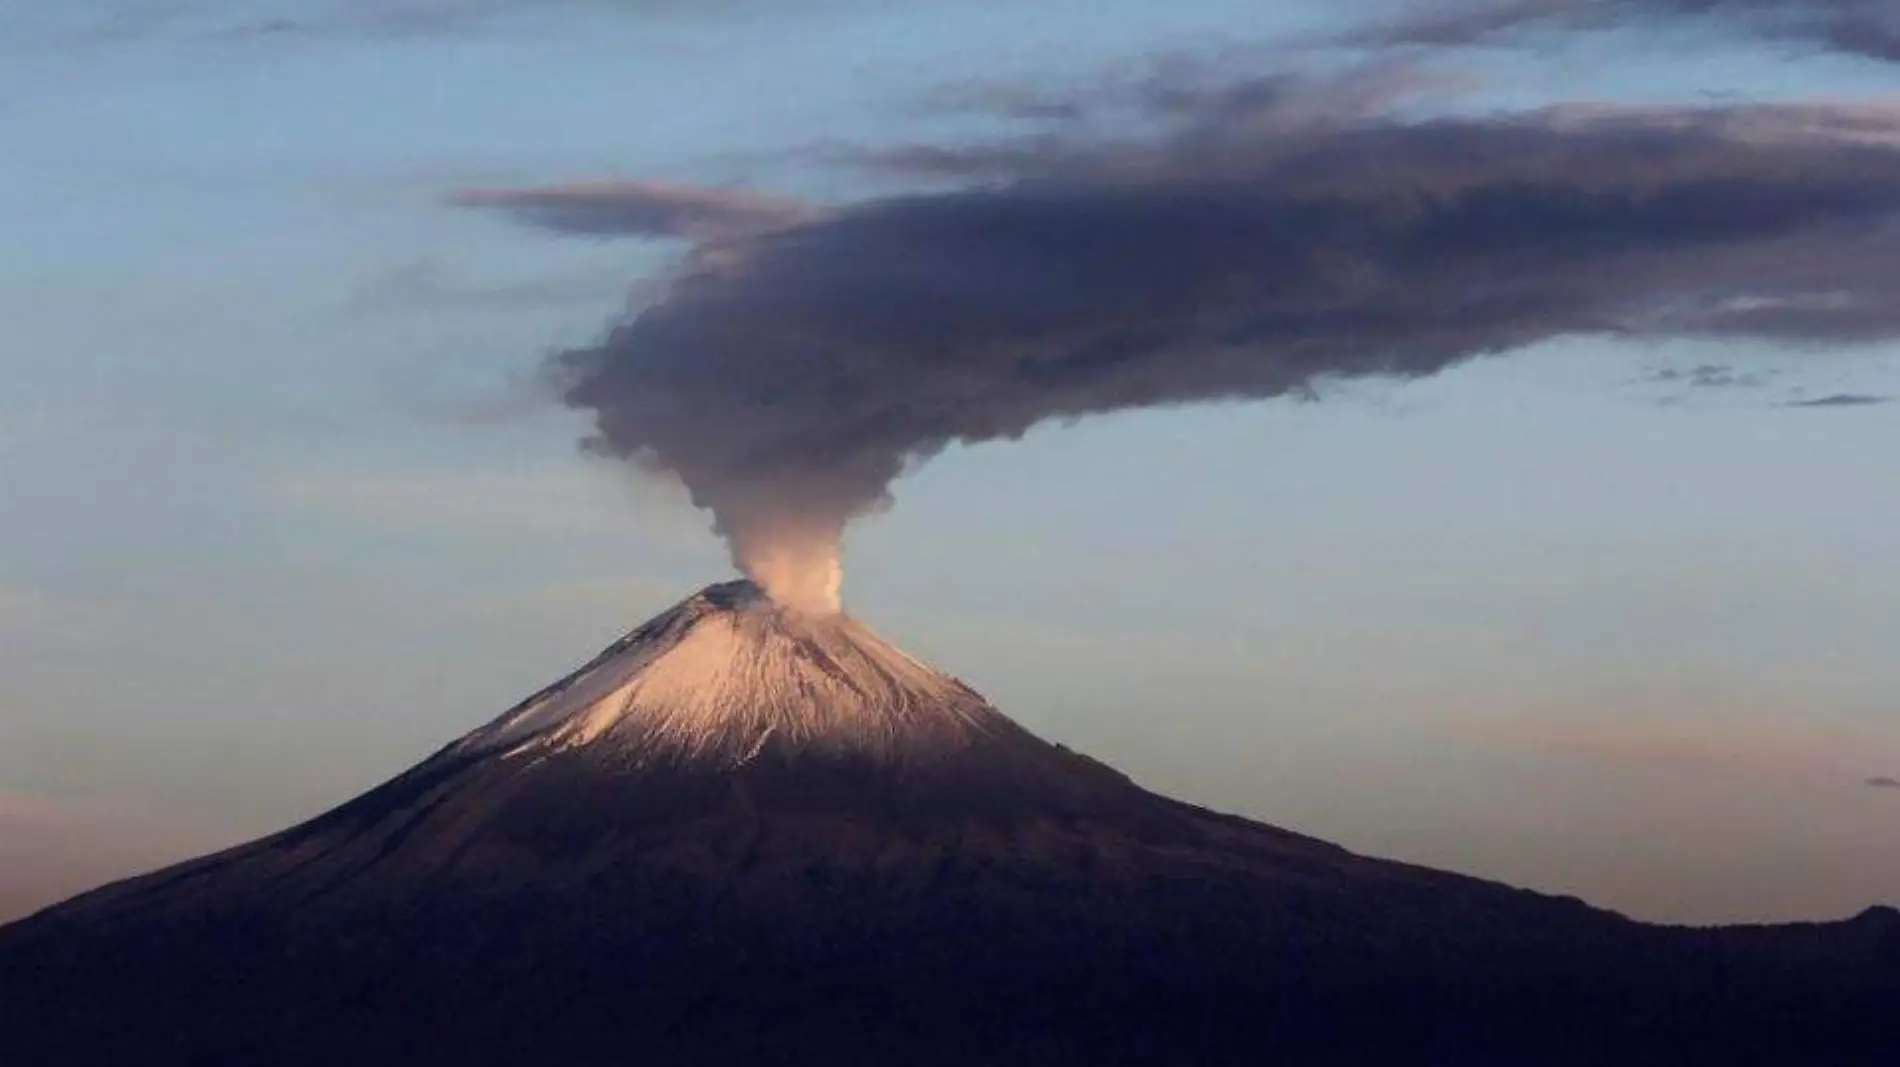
[(799, 362)]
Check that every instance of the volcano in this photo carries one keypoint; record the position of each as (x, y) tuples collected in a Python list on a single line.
[(749, 834)]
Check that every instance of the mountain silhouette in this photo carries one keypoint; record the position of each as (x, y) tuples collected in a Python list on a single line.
[(748, 835)]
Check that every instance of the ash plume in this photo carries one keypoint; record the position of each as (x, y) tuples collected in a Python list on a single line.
[(789, 374)]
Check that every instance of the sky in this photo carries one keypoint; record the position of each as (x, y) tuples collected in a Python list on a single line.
[(288, 503)]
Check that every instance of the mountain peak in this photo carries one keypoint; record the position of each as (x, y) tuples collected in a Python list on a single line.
[(729, 674)]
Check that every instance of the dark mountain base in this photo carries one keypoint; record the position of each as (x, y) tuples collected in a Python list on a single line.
[(493, 987), (848, 926)]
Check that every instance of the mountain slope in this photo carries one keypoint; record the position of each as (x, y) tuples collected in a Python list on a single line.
[(745, 834)]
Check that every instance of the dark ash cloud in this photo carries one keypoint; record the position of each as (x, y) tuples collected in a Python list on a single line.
[(640, 209), (788, 376), (1869, 28), (1883, 782), (1842, 400)]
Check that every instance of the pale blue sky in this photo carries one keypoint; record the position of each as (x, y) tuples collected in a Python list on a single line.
[(277, 516)]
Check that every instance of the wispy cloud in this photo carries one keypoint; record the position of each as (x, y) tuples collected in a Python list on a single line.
[(1711, 376), (91, 23), (1883, 782), (641, 209), (1868, 28), (1843, 400), (1249, 85)]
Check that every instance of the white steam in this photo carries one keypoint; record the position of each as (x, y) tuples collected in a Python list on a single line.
[(797, 566)]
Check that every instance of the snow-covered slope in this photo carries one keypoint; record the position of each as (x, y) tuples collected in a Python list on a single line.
[(728, 674), (727, 710)]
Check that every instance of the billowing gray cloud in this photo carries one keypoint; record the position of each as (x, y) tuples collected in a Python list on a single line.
[(1883, 782), (1862, 27), (641, 209), (1843, 400), (789, 376)]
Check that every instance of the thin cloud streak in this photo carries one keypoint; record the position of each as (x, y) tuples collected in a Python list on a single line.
[(84, 24), (641, 209), (1843, 400), (1711, 376), (1868, 28)]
